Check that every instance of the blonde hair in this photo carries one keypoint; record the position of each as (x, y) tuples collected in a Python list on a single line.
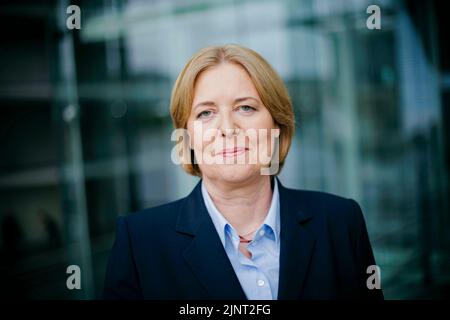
[(267, 82)]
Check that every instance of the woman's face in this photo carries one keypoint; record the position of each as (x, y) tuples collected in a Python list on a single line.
[(229, 127)]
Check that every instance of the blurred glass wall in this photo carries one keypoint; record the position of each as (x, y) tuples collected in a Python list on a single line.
[(85, 126)]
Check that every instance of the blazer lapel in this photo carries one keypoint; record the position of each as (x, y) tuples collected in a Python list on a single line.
[(209, 261), (206, 255), (296, 247)]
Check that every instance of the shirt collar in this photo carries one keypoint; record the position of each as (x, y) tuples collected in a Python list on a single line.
[(272, 219)]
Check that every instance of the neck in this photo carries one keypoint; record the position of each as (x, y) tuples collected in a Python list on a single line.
[(244, 205)]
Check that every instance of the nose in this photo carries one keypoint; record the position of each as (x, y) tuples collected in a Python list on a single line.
[(227, 126)]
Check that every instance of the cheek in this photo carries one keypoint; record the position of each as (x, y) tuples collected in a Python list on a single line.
[(201, 137), (262, 126), (259, 120)]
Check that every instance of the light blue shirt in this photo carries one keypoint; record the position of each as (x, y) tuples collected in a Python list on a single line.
[(259, 274)]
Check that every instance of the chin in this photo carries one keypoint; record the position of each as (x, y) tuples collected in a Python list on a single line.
[(236, 173)]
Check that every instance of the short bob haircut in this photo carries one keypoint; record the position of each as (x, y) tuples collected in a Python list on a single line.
[(267, 82)]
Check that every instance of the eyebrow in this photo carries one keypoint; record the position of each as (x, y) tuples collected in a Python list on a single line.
[(211, 103)]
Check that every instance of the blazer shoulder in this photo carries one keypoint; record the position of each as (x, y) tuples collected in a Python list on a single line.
[(320, 198), (327, 205), (314, 195)]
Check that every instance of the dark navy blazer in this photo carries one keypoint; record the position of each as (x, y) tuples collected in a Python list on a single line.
[(174, 252)]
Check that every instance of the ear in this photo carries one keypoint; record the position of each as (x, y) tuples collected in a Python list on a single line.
[(186, 148), (277, 127)]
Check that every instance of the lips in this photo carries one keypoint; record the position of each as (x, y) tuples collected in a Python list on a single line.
[(232, 152)]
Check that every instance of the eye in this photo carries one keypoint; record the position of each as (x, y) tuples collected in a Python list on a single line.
[(204, 114), (246, 109)]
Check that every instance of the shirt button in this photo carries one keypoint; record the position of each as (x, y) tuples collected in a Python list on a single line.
[(261, 233), (261, 283)]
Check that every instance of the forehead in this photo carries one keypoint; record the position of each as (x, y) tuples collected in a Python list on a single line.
[(224, 81)]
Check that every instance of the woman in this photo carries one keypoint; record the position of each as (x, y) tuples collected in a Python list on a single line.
[(240, 234)]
